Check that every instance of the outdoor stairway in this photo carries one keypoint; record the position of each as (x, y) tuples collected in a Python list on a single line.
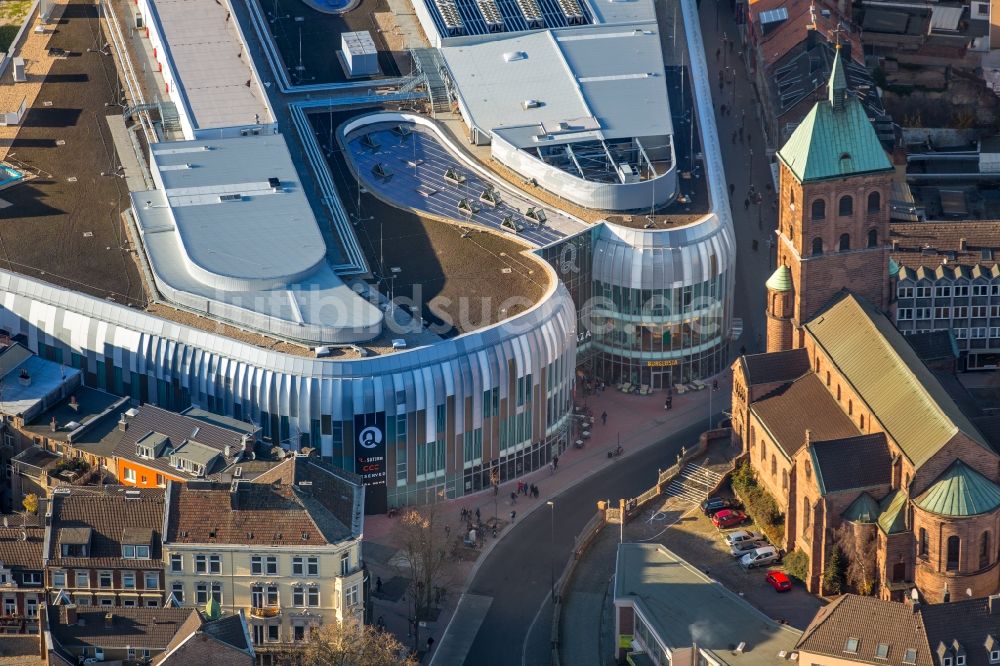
[(428, 62), (693, 484)]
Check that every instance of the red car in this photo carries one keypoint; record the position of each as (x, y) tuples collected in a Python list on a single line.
[(729, 518), (779, 581)]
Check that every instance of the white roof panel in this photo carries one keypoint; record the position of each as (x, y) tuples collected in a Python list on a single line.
[(605, 79), (211, 63)]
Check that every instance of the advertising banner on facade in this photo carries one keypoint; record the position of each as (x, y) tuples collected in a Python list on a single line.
[(369, 458)]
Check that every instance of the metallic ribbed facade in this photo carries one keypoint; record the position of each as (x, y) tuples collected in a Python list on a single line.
[(493, 403), (660, 308)]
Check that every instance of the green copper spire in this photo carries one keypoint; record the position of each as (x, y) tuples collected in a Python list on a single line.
[(780, 280), (837, 88)]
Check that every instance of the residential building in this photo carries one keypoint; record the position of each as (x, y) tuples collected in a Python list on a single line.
[(157, 636), (103, 547), (285, 548), (21, 574), (864, 630), (155, 445), (210, 638), (668, 613)]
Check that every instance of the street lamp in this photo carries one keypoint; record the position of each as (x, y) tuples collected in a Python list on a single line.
[(552, 536)]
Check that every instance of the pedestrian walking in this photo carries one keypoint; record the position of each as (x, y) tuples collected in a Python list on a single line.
[(378, 584), (670, 403), (732, 188), (381, 623), (604, 418), (494, 530), (555, 461), (513, 514), (477, 514), (746, 204), (741, 135), (513, 498), (722, 109), (718, 52), (734, 136), (430, 643), (552, 468), (447, 530), (749, 139)]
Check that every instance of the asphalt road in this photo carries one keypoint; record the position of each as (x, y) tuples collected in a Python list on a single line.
[(517, 572)]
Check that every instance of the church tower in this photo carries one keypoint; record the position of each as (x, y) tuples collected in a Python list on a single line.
[(834, 182)]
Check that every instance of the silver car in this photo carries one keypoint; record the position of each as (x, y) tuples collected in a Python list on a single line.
[(760, 557), (741, 548)]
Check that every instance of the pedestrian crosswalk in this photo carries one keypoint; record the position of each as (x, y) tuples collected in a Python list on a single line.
[(693, 484)]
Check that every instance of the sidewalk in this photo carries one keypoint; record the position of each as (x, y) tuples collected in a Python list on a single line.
[(639, 421)]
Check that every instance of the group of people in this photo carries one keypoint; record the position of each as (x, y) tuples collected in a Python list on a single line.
[(523, 488)]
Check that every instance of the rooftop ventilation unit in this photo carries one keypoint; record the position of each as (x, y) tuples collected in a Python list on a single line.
[(531, 104), (532, 13), (491, 14), (511, 56), (274, 182), (224, 198)]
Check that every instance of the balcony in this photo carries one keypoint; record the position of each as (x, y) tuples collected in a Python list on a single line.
[(265, 612)]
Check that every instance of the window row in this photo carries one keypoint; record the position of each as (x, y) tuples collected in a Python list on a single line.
[(947, 290), (81, 579), (845, 206), (260, 565), (844, 242), (956, 312)]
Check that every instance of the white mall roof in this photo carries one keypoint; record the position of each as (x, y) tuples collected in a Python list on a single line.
[(604, 81), (217, 232), (208, 56)]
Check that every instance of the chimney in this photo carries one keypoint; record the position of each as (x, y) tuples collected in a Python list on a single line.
[(73, 404), (67, 614), (24, 378), (123, 423), (109, 620), (994, 602), (947, 596), (228, 451), (53, 425), (961, 245), (809, 435)]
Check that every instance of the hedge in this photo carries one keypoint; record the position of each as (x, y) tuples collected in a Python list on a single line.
[(759, 503)]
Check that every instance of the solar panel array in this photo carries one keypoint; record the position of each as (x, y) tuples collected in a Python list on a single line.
[(482, 17)]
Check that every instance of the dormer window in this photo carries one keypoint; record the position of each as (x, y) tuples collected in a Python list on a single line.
[(995, 656), (74, 541), (136, 543), (882, 651), (910, 656), (851, 646)]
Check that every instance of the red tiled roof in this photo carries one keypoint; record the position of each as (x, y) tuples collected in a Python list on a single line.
[(107, 511)]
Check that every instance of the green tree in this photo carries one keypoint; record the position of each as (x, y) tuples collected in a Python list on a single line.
[(833, 572), (860, 550), (797, 565)]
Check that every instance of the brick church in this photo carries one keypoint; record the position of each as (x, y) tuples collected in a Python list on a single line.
[(843, 418)]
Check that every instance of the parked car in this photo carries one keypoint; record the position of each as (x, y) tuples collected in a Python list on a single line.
[(741, 548), (713, 505), (779, 581), (739, 536), (760, 557), (728, 518)]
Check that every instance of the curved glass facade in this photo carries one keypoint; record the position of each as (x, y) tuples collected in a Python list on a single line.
[(658, 314)]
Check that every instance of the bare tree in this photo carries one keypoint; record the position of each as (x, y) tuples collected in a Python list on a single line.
[(349, 643), (859, 545), (423, 561)]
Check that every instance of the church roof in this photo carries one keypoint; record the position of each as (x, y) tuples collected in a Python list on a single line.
[(836, 139), (904, 396), (780, 280), (960, 491), (893, 518), (864, 509)]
